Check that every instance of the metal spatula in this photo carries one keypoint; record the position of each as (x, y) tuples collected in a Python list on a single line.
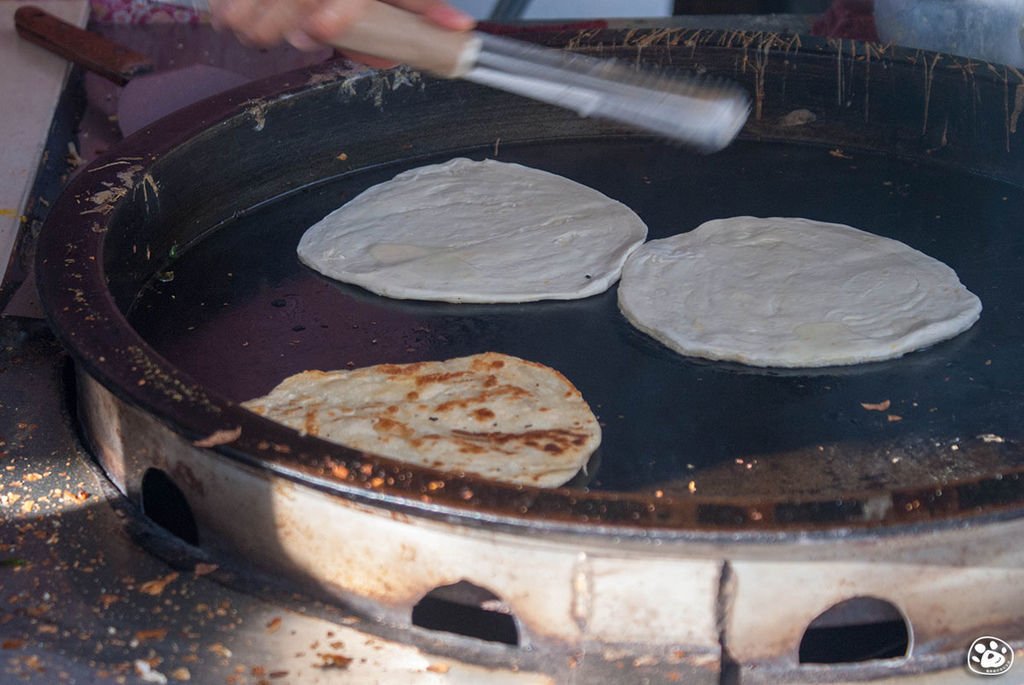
[(702, 113)]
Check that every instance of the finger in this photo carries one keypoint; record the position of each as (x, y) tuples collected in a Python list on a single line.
[(216, 8), (300, 40), (274, 21), (438, 12), (332, 17), (232, 13), (240, 16)]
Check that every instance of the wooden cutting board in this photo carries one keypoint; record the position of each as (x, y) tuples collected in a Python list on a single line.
[(31, 83)]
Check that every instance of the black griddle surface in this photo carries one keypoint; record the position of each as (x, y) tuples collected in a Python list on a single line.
[(239, 313)]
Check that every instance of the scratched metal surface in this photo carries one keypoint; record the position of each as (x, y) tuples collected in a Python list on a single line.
[(914, 146)]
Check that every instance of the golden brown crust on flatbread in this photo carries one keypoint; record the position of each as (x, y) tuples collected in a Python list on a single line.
[(490, 414)]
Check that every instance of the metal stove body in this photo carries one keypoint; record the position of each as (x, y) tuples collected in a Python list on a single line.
[(588, 584)]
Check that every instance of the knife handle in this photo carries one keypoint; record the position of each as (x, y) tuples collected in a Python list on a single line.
[(85, 48), (386, 31)]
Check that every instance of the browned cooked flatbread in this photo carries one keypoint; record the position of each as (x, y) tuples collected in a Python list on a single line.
[(490, 414)]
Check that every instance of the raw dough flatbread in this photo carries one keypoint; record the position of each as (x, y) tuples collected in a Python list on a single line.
[(490, 414), (468, 231), (792, 293)]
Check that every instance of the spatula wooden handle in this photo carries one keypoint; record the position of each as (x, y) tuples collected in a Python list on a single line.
[(392, 33), (89, 50)]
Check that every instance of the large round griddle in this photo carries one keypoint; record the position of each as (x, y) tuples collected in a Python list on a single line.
[(169, 271)]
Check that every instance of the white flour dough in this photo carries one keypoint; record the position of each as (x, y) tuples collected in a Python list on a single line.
[(468, 231), (792, 293)]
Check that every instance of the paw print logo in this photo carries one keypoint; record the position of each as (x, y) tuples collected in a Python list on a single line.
[(989, 656)]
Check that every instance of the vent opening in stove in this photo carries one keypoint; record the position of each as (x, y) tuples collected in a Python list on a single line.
[(164, 503), (467, 609), (855, 630)]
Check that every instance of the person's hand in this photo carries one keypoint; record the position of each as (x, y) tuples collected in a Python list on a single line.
[(307, 23)]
